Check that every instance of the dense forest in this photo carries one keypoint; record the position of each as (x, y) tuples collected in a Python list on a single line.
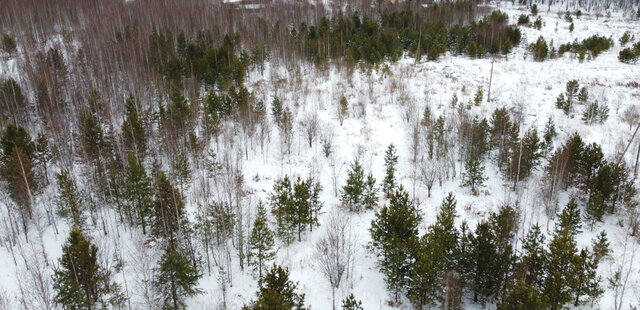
[(191, 132)]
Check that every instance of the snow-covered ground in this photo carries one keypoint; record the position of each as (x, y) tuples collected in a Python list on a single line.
[(519, 83)]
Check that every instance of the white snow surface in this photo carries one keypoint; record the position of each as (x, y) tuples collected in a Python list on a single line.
[(519, 83)]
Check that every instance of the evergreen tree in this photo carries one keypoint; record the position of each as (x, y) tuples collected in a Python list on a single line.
[(261, 241), (168, 214), (600, 246), (484, 253), (16, 167), (79, 281), (370, 192), (343, 109), (133, 129), (534, 257), (561, 271), (68, 200), (176, 278), (522, 297), (473, 175), (301, 205), (587, 280), (352, 192), (43, 153), (137, 194), (394, 234), (281, 200), (390, 162), (548, 135), (277, 292), (351, 303), (276, 110), (9, 44), (570, 217)]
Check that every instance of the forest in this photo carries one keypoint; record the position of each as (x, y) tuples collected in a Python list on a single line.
[(191, 154)]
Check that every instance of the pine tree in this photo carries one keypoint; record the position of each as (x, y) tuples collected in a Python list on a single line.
[(522, 297), (16, 167), (343, 109), (370, 192), (600, 246), (69, 200), (473, 175), (133, 129), (9, 44), (281, 200), (277, 292), (315, 205), (276, 110), (561, 273), (587, 281), (484, 253), (168, 215), (570, 217), (352, 191), (79, 281), (261, 241), (534, 257), (43, 153), (394, 234), (138, 193), (176, 278), (301, 205), (390, 162), (351, 303)]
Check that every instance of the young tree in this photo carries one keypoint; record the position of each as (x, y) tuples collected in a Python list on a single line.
[(133, 129), (473, 175), (370, 192), (276, 291), (168, 217), (522, 296), (351, 303), (9, 44), (276, 110), (343, 109), (261, 241), (137, 194), (79, 281), (561, 272), (352, 192), (390, 162), (281, 200), (534, 257), (335, 251), (176, 278), (394, 234), (69, 200)]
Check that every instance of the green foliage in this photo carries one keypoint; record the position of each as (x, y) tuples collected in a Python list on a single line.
[(630, 55), (625, 38), (134, 135), (12, 101), (9, 44), (69, 201), (261, 242), (540, 49), (570, 218), (571, 27), (370, 192), (79, 281), (351, 303), (390, 162), (168, 213), (561, 269), (522, 297), (473, 175), (600, 246), (477, 99), (137, 194), (524, 19), (17, 168), (176, 278), (534, 9), (295, 206), (276, 110), (277, 292), (352, 192), (394, 235), (534, 257), (591, 46)]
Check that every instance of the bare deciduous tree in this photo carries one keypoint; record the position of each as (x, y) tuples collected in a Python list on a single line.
[(335, 251), (310, 126)]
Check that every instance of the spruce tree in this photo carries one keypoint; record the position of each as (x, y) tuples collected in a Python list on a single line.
[(473, 176), (261, 241), (176, 278), (390, 162), (69, 200), (570, 218), (352, 191), (600, 246), (276, 291), (561, 271), (79, 281)]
